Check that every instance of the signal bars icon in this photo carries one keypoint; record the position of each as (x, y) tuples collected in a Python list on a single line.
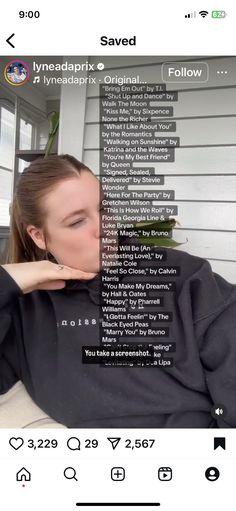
[(191, 15)]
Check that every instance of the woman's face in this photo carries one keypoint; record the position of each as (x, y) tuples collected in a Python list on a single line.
[(73, 222)]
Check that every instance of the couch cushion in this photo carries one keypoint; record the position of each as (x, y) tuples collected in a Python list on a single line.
[(18, 410)]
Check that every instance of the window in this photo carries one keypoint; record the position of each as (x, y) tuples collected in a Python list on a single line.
[(27, 135), (7, 137), (26, 140)]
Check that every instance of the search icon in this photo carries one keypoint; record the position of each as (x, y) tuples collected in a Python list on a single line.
[(70, 473), (73, 443)]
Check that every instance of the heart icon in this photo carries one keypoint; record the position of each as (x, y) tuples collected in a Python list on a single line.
[(16, 443)]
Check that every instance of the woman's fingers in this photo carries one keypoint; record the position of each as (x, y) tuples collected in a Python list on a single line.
[(66, 272)]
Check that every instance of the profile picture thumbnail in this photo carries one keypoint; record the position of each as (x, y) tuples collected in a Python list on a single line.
[(17, 72)]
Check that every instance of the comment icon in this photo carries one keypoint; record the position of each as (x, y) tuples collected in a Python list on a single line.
[(73, 443)]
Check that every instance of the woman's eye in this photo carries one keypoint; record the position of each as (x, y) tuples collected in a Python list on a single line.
[(102, 208), (77, 222)]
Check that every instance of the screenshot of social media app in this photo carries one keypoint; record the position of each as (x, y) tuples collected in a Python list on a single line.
[(117, 259)]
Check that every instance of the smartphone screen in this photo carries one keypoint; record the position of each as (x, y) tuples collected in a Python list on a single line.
[(117, 256)]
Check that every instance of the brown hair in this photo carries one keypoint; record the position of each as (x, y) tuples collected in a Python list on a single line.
[(27, 206)]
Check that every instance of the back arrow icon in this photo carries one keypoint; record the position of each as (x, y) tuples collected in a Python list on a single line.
[(8, 40)]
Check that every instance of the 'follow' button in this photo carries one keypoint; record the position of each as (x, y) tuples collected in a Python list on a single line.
[(185, 72)]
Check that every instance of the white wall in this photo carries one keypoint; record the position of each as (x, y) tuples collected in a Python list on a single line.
[(72, 114)]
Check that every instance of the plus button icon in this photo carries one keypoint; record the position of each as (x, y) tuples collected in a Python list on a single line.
[(117, 473)]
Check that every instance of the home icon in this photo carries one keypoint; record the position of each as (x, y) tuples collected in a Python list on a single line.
[(23, 475)]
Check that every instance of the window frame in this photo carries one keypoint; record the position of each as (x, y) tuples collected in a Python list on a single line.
[(22, 109)]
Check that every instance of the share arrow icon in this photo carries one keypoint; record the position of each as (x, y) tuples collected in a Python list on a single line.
[(114, 441)]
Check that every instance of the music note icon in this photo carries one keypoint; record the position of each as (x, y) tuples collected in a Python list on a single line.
[(36, 79)]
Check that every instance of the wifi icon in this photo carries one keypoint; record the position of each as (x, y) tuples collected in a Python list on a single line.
[(203, 14)]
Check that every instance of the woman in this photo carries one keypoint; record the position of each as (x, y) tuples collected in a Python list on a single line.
[(46, 319)]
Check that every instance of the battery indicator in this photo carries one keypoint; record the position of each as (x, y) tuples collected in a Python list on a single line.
[(218, 14)]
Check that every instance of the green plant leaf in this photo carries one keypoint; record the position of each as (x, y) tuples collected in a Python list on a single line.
[(53, 127), (166, 225), (156, 242)]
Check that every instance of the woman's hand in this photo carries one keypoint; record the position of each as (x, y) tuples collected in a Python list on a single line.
[(43, 275)]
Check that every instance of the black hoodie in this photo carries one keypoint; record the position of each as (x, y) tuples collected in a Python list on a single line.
[(41, 339)]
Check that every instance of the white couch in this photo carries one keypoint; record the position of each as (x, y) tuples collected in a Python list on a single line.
[(17, 410)]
